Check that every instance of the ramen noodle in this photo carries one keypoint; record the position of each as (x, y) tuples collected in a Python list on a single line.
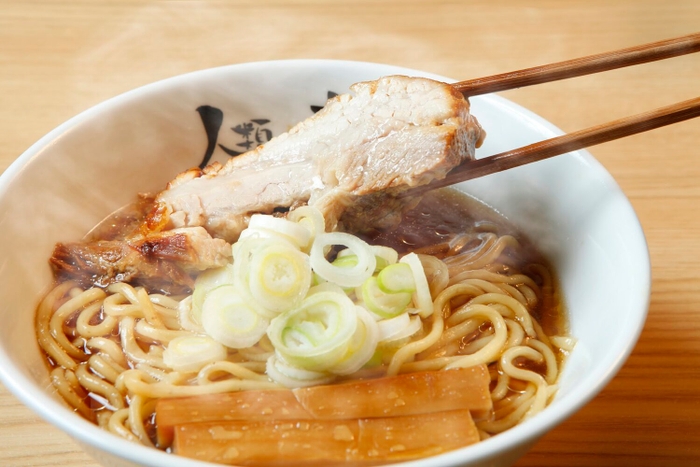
[(302, 315)]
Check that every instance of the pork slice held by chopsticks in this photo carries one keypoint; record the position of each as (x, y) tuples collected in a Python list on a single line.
[(364, 442), (351, 160), (401, 395), (390, 134)]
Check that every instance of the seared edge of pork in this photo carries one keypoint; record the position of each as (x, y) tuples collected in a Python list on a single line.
[(165, 261)]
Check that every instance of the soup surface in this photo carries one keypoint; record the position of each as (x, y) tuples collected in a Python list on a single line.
[(447, 222)]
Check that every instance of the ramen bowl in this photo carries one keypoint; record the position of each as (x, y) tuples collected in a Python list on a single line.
[(569, 206)]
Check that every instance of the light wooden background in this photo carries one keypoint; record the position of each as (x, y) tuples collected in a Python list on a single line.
[(60, 57)]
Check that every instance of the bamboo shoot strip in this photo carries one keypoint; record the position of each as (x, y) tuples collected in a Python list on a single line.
[(406, 394), (363, 442), (274, 404)]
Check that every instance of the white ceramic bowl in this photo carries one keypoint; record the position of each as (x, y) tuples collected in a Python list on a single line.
[(96, 162)]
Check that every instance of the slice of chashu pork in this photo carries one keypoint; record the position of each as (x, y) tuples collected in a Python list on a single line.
[(164, 261), (351, 160)]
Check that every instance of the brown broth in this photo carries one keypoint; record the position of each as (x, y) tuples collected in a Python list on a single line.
[(443, 214)]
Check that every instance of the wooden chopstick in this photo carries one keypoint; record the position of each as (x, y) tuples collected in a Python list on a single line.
[(581, 66), (562, 144)]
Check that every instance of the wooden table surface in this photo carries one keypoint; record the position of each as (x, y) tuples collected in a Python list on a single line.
[(60, 57)]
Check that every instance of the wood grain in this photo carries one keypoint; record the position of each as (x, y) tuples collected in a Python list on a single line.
[(582, 66), (60, 57)]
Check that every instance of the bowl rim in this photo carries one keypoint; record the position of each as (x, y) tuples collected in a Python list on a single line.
[(38, 399)]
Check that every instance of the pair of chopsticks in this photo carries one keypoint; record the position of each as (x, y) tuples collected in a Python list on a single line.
[(584, 138)]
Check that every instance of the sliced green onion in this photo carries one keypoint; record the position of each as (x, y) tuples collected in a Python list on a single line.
[(230, 320), (205, 282), (279, 277), (396, 278), (316, 335), (347, 261), (362, 346), (317, 280), (384, 256), (343, 276), (438, 273), (310, 218), (192, 353), (325, 287), (384, 305), (267, 225), (400, 339), (345, 252), (184, 316), (376, 360), (421, 297), (292, 377), (244, 252), (390, 327), (397, 328)]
